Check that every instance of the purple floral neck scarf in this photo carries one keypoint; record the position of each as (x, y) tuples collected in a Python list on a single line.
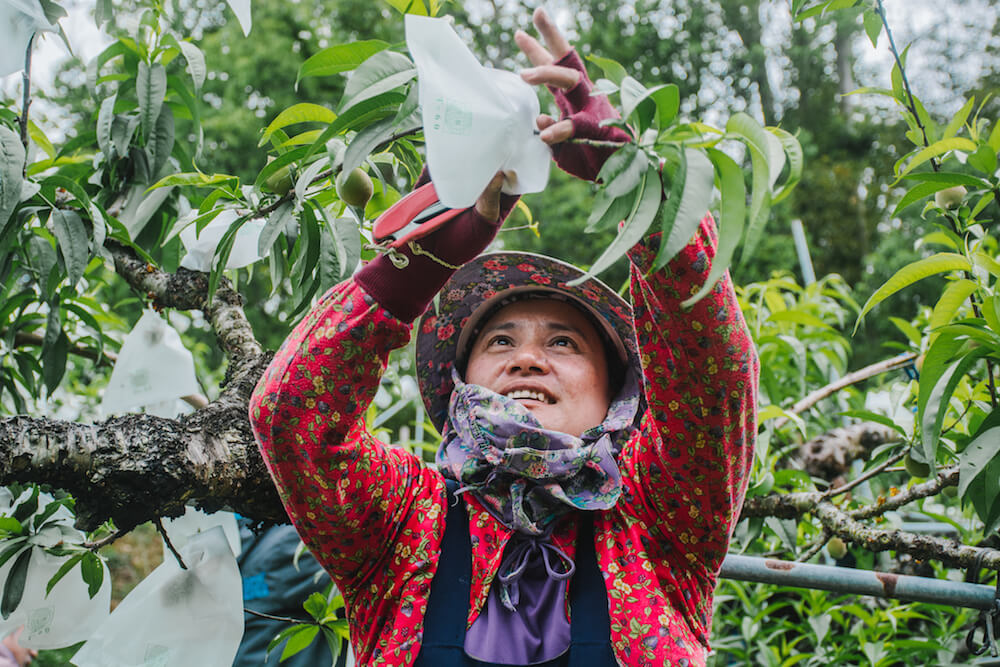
[(525, 475)]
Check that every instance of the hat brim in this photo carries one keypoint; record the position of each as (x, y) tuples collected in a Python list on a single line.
[(478, 287)]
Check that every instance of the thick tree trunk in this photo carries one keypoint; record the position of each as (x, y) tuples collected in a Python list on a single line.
[(136, 468)]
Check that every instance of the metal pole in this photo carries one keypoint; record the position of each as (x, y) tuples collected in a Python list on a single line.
[(858, 582)]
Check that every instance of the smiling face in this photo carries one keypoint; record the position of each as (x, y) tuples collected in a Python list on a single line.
[(547, 356)]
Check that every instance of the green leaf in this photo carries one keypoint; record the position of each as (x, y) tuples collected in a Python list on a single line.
[(160, 142), (873, 26), (105, 119), (195, 62), (632, 93), (408, 7), (934, 150), (785, 529), (617, 163), (668, 102), (150, 88), (92, 570), (304, 112), (990, 310), (275, 225), (629, 178), (611, 68), (10, 548), (26, 507), (994, 140), (381, 73), (692, 207), (177, 86), (195, 178), (912, 334), (933, 409), (609, 211), (984, 159), (333, 642), (51, 508), (11, 172), (39, 138), (299, 640), (241, 8), (731, 222), (13, 589), (980, 462), (798, 317), (796, 160), (370, 138), (72, 242), (67, 565), (315, 605), (339, 58), (222, 252), (122, 130), (340, 250), (282, 636), (54, 362), (367, 111), (635, 226), (756, 138), (11, 525), (986, 200), (918, 192), (282, 160), (951, 300), (936, 264), (958, 120)]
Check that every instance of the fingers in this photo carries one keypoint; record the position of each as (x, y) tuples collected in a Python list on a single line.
[(553, 132), (544, 121), (551, 75), (537, 54), (488, 204), (554, 39), (555, 47)]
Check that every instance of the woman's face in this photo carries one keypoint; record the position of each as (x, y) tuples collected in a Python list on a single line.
[(547, 356)]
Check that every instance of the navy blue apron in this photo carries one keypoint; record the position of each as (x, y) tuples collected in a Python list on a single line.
[(448, 606)]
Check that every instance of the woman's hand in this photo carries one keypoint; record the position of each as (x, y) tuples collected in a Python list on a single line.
[(22, 655), (557, 66)]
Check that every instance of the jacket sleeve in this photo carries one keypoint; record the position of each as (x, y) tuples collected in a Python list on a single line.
[(346, 493), (687, 471)]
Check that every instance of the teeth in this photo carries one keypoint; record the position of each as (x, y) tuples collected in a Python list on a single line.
[(527, 393)]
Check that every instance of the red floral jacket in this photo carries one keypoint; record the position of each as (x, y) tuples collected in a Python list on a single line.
[(373, 515)]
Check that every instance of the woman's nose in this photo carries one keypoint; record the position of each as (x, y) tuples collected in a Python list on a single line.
[(528, 358)]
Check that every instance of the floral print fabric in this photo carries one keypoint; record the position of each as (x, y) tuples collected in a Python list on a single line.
[(527, 475), (374, 515)]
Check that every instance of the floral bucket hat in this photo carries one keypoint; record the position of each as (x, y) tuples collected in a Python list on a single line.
[(481, 287)]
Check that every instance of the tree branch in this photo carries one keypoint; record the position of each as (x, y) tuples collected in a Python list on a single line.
[(135, 468), (187, 290), (945, 477), (815, 397)]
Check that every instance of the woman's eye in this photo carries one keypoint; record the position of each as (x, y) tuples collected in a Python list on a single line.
[(563, 342), (500, 340)]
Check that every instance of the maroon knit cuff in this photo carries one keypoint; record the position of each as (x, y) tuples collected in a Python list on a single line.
[(407, 292)]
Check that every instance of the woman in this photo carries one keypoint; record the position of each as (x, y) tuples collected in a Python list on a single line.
[(594, 456)]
